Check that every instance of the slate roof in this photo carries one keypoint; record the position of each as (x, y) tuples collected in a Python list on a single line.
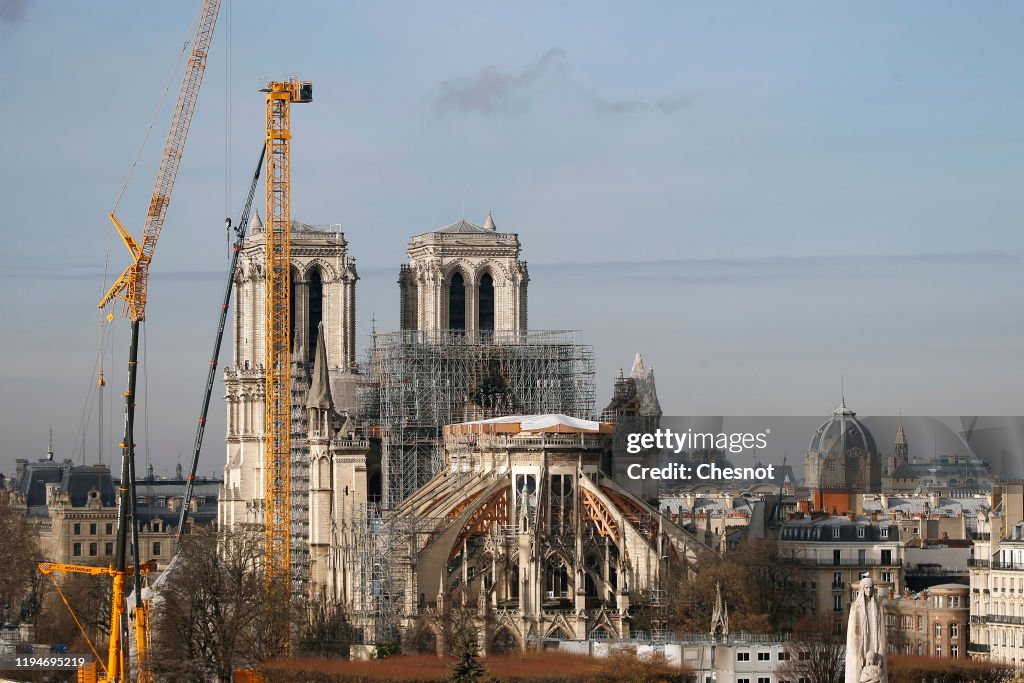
[(464, 226), (79, 481), (35, 478), (716, 506)]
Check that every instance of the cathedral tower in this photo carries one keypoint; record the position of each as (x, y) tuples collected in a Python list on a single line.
[(323, 282), (464, 277)]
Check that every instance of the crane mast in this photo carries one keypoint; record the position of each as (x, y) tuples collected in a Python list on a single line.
[(277, 454)]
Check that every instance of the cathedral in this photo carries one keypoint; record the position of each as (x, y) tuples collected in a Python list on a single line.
[(323, 291), (459, 469)]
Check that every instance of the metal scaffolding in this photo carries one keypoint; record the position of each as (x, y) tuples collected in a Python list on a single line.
[(299, 448), (386, 546), (424, 380)]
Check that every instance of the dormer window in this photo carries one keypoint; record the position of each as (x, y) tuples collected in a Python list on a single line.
[(860, 532), (885, 532), (156, 526), (835, 532)]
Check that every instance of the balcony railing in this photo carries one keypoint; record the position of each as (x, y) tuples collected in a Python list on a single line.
[(977, 647), (977, 563), (856, 562), (1000, 564), (1003, 619)]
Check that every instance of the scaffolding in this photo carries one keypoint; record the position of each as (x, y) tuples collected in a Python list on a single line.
[(299, 476), (424, 380), (386, 546)]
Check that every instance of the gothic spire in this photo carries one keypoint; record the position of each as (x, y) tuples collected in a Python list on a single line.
[(320, 388), (720, 614), (254, 222), (901, 437)]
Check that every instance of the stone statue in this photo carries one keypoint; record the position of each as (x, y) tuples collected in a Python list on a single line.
[(865, 638)]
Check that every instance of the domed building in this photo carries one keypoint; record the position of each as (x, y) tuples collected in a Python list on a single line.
[(842, 461)]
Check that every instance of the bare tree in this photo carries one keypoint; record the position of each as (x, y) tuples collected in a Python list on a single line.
[(325, 631), (19, 551), (90, 597), (209, 617), (761, 583), (815, 652)]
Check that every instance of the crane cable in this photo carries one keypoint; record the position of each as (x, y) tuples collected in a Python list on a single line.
[(227, 122), (78, 623), (106, 316)]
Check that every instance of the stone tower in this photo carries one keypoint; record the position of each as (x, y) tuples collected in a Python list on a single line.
[(901, 449), (323, 284), (464, 277), (900, 477), (337, 483)]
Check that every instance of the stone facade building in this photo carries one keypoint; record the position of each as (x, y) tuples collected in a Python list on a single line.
[(75, 508), (932, 623), (840, 550), (997, 589)]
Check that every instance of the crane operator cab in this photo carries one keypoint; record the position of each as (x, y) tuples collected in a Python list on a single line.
[(305, 92)]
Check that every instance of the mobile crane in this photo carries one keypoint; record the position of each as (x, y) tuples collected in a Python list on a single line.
[(130, 288)]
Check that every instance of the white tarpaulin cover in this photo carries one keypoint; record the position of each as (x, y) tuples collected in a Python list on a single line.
[(536, 423)]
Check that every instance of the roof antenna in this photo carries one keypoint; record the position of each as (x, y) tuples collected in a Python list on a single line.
[(842, 390), (49, 449)]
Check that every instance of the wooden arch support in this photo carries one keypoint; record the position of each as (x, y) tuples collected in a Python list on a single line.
[(493, 511), (596, 512)]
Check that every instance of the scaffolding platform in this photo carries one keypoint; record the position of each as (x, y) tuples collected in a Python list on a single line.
[(424, 380)]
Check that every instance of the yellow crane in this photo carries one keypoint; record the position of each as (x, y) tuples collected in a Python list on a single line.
[(277, 454), (114, 650), (130, 288)]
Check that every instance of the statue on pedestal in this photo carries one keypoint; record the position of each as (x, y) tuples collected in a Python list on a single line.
[(865, 638)]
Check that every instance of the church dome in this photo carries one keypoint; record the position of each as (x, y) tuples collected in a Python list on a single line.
[(842, 433)]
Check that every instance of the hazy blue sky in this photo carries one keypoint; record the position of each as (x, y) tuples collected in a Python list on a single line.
[(760, 197)]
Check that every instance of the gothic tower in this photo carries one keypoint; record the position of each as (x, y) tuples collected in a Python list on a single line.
[(323, 282), (900, 476), (464, 277), (900, 449)]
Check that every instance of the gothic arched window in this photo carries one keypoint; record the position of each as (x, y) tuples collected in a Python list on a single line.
[(457, 303), (315, 312), (486, 303)]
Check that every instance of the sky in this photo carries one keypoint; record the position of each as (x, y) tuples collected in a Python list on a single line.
[(765, 199)]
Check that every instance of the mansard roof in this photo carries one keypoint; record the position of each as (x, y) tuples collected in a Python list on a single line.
[(79, 482), (37, 475)]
